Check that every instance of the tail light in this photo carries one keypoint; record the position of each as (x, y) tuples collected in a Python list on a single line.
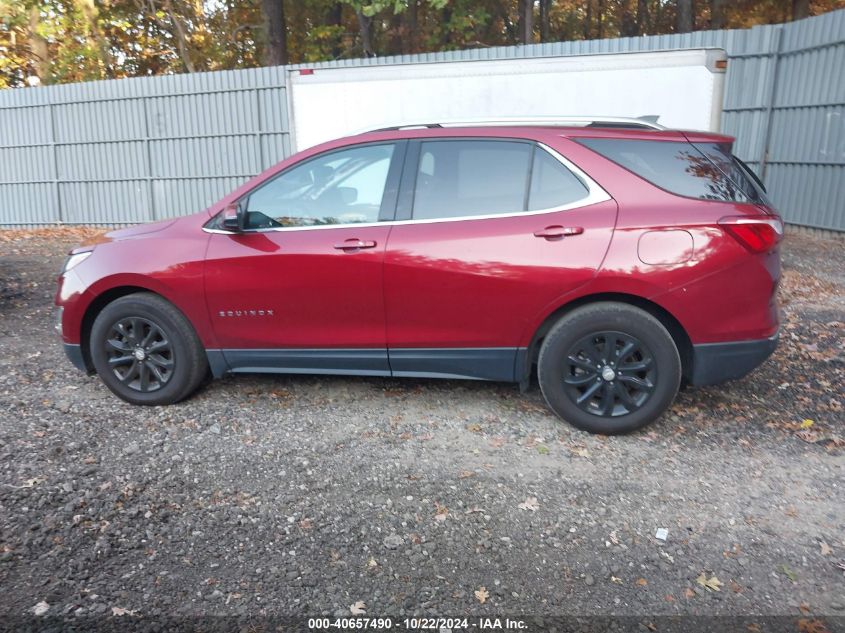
[(757, 233)]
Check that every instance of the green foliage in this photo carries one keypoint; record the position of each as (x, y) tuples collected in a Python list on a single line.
[(58, 41)]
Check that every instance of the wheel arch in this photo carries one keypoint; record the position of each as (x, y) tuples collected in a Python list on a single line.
[(670, 322)]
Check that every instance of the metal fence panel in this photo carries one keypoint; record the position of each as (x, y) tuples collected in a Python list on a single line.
[(134, 150)]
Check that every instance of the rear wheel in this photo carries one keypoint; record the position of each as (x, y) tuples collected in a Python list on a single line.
[(145, 350), (609, 368)]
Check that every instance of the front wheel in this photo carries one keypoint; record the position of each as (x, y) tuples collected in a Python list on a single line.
[(609, 368), (145, 350)]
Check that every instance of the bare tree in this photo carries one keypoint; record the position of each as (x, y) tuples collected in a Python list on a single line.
[(276, 53), (684, 17)]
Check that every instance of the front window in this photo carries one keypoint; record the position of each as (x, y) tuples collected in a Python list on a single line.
[(342, 187)]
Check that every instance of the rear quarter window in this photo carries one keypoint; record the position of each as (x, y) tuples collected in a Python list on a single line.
[(677, 167)]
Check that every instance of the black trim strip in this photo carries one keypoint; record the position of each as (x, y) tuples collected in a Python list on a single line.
[(364, 362), (496, 363), (485, 363)]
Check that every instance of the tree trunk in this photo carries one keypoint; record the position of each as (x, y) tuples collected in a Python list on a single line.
[(685, 16), (643, 18), (413, 25), (334, 17), (800, 9), (38, 48), (717, 14), (588, 20), (628, 26), (181, 38), (526, 21), (545, 10), (600, 18), (276, 53), (365, 24), (95, 37)]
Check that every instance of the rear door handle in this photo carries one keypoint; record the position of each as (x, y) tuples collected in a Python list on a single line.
[(557, 232), (355, 244)]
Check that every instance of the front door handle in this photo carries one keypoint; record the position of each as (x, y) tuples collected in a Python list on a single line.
[(558, 232), (354, 244)]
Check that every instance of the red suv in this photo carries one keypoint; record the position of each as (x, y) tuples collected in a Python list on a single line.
[(613, 259)]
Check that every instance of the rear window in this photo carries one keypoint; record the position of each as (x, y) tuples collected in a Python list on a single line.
[(707, 171), (739, 174)]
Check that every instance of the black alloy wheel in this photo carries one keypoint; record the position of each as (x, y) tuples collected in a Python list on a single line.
[(146, 351), (609, 368), (140, 354), (610, 373)]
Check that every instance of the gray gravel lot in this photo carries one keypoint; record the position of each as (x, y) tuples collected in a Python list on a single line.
[(305, 495)]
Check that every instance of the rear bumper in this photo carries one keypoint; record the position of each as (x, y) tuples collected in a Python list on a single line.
[(714, 363)]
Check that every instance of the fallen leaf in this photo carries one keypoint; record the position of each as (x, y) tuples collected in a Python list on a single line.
[(805, 625), (529, 504), (543, 449), (804, 608), (372, 563), (669, 598), (441, 513), (118, 611), (358, 608), (642, 582), (580, 451), (806, 424), (789, 573), (713, 583), (825, 549), (475, 427), (689, 593), (464, 474), (736, 588), (616, 580), (482, 594), (31, 483), (811, 437)]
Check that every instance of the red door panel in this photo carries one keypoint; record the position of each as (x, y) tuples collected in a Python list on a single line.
[(478, 283), (313, 288)]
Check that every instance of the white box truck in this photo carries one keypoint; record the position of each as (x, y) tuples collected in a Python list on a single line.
[(682, 87)]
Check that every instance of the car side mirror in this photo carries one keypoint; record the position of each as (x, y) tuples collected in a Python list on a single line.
[(233, 218)]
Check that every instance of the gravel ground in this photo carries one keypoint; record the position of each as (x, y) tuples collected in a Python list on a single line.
[(304, 495)]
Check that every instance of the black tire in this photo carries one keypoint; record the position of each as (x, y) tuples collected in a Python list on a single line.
[(587, 383), (140, 335)]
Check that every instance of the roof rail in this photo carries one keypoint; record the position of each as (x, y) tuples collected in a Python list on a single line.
[(645, 122)]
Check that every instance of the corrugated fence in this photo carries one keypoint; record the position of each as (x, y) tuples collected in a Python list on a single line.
[(134, 150)]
